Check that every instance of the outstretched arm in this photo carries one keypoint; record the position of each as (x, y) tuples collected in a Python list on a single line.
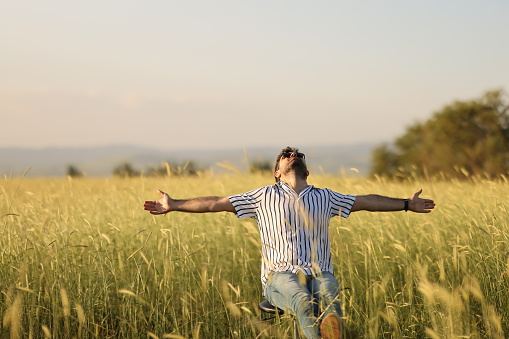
[(378, 203), (197, 205)]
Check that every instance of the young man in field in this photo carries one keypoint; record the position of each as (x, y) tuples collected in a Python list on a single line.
[(293, 218)]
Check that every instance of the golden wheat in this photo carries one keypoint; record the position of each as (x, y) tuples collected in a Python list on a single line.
[(80, 258)]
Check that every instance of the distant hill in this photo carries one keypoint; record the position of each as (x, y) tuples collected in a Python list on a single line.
[(100, 161)]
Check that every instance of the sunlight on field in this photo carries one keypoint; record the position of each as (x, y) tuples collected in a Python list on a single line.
[(80, 258)]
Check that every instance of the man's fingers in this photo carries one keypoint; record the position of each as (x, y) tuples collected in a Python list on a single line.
[(429, 202), (428, 205), (150, 206)]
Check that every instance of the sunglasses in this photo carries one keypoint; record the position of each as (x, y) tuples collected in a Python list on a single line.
[(289, 154)]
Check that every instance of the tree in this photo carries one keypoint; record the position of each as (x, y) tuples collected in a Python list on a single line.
[(385, 161), (166, 169), (125, 170), (464, 138), (261, 166), (74, 172)]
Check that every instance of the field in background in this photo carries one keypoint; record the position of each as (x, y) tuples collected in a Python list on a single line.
[(80, 258)]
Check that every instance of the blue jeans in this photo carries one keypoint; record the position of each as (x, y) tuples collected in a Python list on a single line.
[(305, 297)]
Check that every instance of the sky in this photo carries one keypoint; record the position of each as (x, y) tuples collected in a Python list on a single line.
[(228, 74)]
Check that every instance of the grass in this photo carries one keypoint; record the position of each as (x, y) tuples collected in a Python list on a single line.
[(80, 258)]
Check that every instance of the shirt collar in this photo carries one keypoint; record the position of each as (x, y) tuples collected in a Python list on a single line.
[(288, 189)]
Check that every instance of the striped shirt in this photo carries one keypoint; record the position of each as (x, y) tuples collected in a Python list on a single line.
[(294, 229)]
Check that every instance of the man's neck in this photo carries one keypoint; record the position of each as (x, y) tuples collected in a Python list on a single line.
[(297, 184)]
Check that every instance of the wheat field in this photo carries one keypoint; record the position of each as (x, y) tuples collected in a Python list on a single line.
[(81, 259)]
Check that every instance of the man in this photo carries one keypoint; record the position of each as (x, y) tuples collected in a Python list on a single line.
[(293, 218)]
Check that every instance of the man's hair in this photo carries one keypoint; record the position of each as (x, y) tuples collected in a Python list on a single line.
[(284, 150)]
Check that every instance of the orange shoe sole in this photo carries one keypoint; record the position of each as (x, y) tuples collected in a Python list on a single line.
[(330, 327)]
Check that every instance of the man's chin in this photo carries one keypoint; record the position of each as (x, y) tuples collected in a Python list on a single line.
[(299, 167)]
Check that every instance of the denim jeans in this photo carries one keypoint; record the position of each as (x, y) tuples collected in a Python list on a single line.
[(309, 298)]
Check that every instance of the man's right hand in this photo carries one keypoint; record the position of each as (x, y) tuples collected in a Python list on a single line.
[(161, 206)]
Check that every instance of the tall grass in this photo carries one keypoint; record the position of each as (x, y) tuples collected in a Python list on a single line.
[(80, 258)]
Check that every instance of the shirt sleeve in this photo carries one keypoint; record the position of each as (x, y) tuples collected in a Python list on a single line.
[(340, 204), (246, 204)]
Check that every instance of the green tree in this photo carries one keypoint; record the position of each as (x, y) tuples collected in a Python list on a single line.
[(261, 166), (187, 168), (385, 161), (74, 172), (465, 137), (125, 170)]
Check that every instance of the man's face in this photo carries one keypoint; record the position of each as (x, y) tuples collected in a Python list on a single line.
[(292, 161)]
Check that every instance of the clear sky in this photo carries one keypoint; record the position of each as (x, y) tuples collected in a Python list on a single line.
[(231, 73)]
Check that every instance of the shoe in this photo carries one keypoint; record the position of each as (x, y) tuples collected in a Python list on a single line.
[(330, 327)]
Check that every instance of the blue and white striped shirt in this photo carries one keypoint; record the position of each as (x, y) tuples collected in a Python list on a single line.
[(294, 229)]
